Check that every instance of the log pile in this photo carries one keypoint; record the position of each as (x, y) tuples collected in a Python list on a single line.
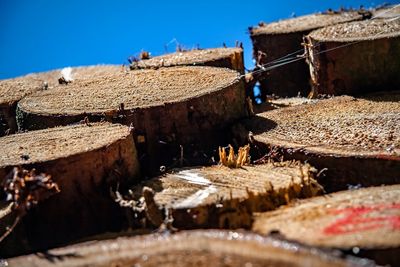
[(276, 40), (106, 152), (171, 109)]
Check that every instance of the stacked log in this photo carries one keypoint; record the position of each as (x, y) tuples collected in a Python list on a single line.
[(355, 58), (275, 40), (355, 139), (221, 197), (191, 248), (84, 161), (364, 222), (231, 58), (175, 112), (13, 90)]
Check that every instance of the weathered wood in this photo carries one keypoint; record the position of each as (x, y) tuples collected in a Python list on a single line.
[(275, 40), (354, 58), (13, 90), (364, 222), (231, 58), (356, 139), (222, 197), (191, 248), (171, 109), (85, 161)]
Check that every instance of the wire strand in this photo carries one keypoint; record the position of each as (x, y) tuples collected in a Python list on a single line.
[(284, 60)]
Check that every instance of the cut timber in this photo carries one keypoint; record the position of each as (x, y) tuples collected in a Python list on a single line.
[(356, 139), (84, 161), (191, 248), (13, 90), (364, 221), (168, 107), (231, 58), (221, 197), (355, 58), (275, 40)]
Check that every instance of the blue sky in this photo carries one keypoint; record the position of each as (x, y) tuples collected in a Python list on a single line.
[(47, 34)]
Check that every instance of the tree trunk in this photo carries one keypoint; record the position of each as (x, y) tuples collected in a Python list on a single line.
[(171, 109), (231, 58), (13, 90), (279, 39), (85, 161), (356, 139), (221, 197), (355, 58)]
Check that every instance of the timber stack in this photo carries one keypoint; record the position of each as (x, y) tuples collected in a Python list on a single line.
[(106, 153)]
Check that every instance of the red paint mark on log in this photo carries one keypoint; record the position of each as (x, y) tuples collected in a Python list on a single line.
[(364, 218)]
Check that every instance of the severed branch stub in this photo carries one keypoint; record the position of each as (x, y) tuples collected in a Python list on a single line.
[(24, 189)]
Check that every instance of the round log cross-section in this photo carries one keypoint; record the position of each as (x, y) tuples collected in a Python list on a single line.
[(85, 161), (13, 90), (364, 222), (221, 197), (354, 58), (276, 40), (231, 58), (191, 248), (175, 112), (357, 140)]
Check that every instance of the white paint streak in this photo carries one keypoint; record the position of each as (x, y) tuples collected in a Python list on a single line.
[(192, 177), (197, 198)]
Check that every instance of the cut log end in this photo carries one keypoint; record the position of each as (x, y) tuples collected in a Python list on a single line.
[(305, 23), (84, 161), (231, 58), (199, 248), (358, 30), (13, 90), (355, 138), (279, 40), (135, 89), (221, 197), (365, 219)]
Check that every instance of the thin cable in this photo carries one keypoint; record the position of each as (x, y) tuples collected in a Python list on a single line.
[(285, 60)]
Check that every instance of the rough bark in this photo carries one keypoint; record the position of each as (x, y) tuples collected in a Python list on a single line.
[(199, 248), (365, 219), (90, 163), (194, 124), (354, 63)]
